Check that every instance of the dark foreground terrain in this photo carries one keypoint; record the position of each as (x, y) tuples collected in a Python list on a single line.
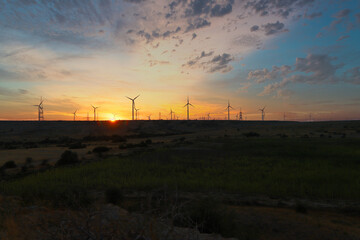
[(180, 180)]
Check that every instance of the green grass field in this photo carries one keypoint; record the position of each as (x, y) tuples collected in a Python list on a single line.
[(319, 168)]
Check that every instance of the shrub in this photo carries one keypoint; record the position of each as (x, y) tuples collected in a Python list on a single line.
[(44, 162), (114, 196), (67, 158), (28, 160), (77, 145), (209, 217), (251, 134), (9, 164), (300, 208), (100, 150)]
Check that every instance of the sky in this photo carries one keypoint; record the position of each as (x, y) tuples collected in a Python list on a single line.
[(295, 57)]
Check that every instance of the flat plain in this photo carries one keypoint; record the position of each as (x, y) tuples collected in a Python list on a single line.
[(242, 179)]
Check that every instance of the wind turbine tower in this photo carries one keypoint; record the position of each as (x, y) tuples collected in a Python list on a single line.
[(240, 115), (94, 112), (208, 116), (149, 117), (262, 113), (187, 105), (159, 115), (133, 105), (40, 110), (136, 113), (74, 113), (171, 114), (228, 108), (87, 117)]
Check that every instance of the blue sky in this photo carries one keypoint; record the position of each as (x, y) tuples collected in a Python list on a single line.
[(293, 56)]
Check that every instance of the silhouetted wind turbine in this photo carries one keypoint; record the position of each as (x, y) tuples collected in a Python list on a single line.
[(133, 104), (187, 105), (240, 115), (208, 115), (262, 113), (75, 114), (149, 117), (40, 110), (114, 116), (171, 114), (94, 112), (228, 108), (136, 113)]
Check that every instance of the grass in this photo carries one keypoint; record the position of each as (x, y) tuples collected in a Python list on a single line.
[(290, 167)]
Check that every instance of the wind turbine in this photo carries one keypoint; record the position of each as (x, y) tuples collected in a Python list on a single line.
[(94, 112), (136, 113), (262, 113), (74, 113), (187, 105), (171, 114), (228, 108), (114, 116), (149, 117), (40, 110), (133, 104), (240, 115), (159, 115)]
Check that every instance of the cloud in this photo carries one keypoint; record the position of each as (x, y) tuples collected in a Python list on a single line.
[(219, 11), (313, 69), (341, 17), (208, 7), (262, 75), (196, 24), (6, 75), (342, 13), (280, 8), (132, 1), (357, 17), (12, 93), (254, 28), (194, 61), (353, 75), (273, 28), (220, 63), (313, 15), (343, 37)]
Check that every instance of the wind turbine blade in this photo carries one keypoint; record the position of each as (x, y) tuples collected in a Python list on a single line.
[(185, 105), (130, 98), (191, 105), (136, 96)]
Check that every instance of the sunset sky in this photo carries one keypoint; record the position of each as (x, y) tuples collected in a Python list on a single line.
[(296, 56)]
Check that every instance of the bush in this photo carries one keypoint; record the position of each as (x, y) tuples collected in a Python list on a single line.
[(300, 208), (67, 158), (9, 164), (28, 160), (100, 150), (209, 217), (77, 145), (251, 134), (114, 196)]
